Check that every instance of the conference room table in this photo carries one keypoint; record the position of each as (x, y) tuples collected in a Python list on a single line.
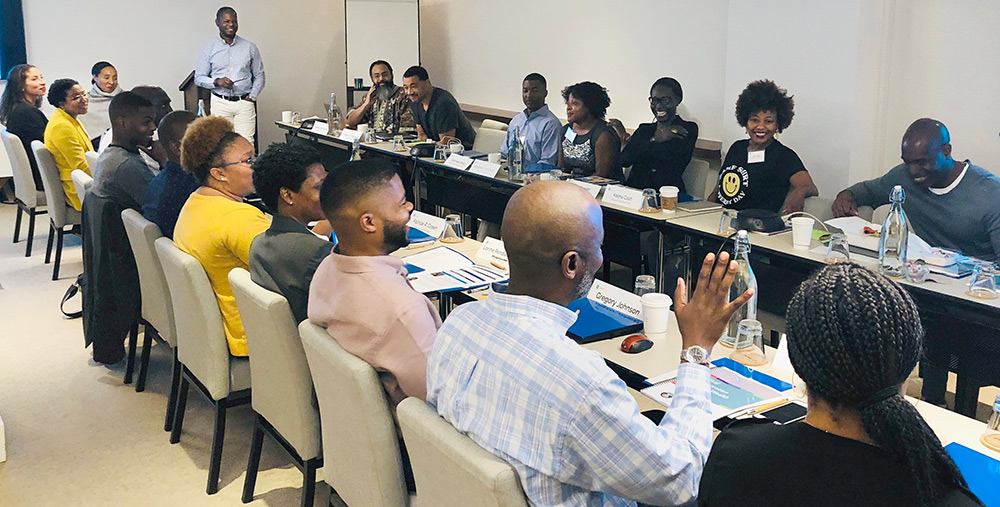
[(779, 267)]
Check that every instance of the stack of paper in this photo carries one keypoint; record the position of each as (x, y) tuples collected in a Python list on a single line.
[(442, 269)]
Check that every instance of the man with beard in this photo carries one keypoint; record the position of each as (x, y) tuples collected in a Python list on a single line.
[(386, 108), (503, 371), (231, 67), (359, 292), (153, 154)]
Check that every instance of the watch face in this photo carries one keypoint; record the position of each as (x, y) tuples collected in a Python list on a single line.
[(697, 354)]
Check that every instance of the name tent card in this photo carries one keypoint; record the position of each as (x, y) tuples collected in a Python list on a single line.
[(623, 196), (456, 161), (320, 127), (349, 135), (589, 187), (429, 224), (484, 168), (617, 299), (493, 250)]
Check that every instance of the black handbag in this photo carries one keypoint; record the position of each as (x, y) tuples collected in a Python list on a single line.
[(73, 290)]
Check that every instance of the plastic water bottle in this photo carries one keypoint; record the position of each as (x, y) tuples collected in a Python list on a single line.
[(335, 120), (201, 108), (893, 237), (744, 279), (515, 160)]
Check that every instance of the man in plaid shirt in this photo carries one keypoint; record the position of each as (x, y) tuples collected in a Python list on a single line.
[(503, 372)]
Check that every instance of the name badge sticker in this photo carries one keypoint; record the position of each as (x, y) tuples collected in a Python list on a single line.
[(755, 157), (570, 135)]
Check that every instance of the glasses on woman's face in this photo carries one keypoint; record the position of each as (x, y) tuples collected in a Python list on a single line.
[(661, 101), (248, 161)]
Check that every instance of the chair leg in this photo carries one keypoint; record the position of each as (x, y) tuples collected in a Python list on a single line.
[(309, 482), (48, 247), (17, 224), (175, 380), (31, 232), (59, 244), (182, 396), (253, 464), (133, 337), (147, 343), (215, 465)]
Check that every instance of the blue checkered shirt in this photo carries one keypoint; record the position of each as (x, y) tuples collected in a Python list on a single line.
[(503, 372)]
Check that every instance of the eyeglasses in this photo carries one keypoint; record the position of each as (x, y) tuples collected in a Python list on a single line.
[(248, 161), (663, 101)]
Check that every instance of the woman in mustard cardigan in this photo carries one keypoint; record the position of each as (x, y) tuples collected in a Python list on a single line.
[(65, 137)]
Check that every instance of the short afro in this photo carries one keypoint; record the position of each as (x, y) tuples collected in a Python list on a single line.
[(764, 95), (594, 97), (59, 89), (282, 166), (352, 181), (203, 143)]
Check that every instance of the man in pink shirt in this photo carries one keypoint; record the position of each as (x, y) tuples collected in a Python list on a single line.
[(360, 293)]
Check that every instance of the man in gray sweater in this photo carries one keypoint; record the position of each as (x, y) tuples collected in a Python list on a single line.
[(949, 204), (954, 205), (122, 174)]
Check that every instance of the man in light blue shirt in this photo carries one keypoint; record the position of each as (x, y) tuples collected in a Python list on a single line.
[(540, 128), (231, 67), (503, 371)]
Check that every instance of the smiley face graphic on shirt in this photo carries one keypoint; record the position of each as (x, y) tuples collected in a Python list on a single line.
[(733, 182)]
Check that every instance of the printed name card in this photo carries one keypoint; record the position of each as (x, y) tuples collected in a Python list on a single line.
[(456, 161), (484, 168), (349, 135), (616, 299), (493, 251), (427, 224), (320, 127), (589, 187), (623, 196)]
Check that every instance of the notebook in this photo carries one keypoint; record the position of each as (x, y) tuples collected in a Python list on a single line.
[(595, 322), (980, 471)]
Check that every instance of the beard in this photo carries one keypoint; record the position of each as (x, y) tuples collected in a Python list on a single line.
[(394, 236), (583, 287), (384, 90)]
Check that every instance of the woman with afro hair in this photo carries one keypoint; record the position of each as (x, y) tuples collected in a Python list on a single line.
[(760, 172), (589, 147), (215, 226)]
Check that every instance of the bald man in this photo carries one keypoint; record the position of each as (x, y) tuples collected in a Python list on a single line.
[(503, 371), (170, 189), (949, 204), (359, 292)]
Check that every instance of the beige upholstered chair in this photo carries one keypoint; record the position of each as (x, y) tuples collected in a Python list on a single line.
[(82, 182), (282, 387), (157, 313), (92, 157), (29, 198), (202, 348), (699, 178), (449, 468), (61, 214), (361, 457), (879, 213), (488, 140), (493, 124), (819, 207)]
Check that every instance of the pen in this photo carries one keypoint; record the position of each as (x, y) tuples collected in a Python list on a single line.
[(761, 408)]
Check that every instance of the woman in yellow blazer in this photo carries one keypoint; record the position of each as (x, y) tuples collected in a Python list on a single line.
[(65, 137), (215, 226)]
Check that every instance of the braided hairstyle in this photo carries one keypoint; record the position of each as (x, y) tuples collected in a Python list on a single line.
[(854, 336)]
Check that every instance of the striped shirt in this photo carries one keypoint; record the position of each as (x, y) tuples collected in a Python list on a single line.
[(503, 372)]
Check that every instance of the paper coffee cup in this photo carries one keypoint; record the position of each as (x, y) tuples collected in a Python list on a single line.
[(655, 313), (362, 128), (286, 117), (493, 158), (668, 197), (802, 228)]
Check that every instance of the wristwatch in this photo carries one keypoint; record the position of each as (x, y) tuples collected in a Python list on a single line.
[(695, 354)]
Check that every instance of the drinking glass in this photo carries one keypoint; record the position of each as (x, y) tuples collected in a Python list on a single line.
[(727, 224), (644, 284), (453, 230), (917, 271), (555, 174), (440, 152), (838, 250), (983, 284), (397, 143), (650, 203), (749, 344)]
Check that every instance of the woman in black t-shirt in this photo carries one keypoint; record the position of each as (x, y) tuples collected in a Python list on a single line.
[(589, 145), (854, 337), (20, 113), (659, 152), (760, 172)]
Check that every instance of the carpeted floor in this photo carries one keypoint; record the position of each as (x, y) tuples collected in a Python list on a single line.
[(76, 435)]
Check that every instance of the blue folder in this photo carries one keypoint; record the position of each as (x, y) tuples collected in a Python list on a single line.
[(596, 322), (980, 471), (417, 236)]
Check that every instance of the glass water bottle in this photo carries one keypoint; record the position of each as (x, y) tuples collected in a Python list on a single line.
[(334, 119), (515, 159), (744, 279), (893, 237)]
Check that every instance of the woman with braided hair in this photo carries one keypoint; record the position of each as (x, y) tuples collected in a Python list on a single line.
[(854, 337)]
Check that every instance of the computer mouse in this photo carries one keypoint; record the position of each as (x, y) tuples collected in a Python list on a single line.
[(636, 343)]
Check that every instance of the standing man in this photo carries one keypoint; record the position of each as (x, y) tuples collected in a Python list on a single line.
[(435, 110), (538, 126), (231, 67), (386, 107)]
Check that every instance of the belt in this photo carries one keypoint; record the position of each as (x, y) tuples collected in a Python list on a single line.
[(232, 98)]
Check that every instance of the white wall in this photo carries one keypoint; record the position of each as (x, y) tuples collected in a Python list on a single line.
[(157, 43)]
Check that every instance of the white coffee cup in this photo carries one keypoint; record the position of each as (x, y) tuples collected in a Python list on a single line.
[(286, 117), (655, 313), (362, 128), (493, 158), (802, 228)]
